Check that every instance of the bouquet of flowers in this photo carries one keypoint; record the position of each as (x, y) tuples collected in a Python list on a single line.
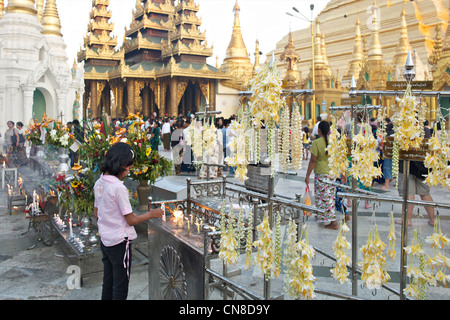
[(82, 191), (59, 136), (148, 165), (95, 146), (34, 132)]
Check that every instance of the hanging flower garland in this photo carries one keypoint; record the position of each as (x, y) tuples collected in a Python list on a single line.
[(303, 282), (417, 271), (337, 150), (209, 139), (391, 237), (229, 245), (296, 139), (195, 139), (437, 259), (284, 139), (238, 149), (249, 242), (266, 101), (436, 160), (408, 131), (290, 254), (341, 245), (277, 249), (364, 156), (373, 266), (265, 256)]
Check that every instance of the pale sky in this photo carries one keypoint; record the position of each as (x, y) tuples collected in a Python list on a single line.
[(263, 19)]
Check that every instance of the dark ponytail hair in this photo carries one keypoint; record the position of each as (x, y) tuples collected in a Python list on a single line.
[(324, 127), (117, 158)]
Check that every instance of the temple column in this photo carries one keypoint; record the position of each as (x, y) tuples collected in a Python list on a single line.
[(130, 96), (197, 100), (162, 99), (61, 95), (28, 98), (94, 105), (212, 95), (146, 101), (172, 110)]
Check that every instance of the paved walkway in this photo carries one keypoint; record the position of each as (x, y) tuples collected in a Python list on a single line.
[(40, 273)]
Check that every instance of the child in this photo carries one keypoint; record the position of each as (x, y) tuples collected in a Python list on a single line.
[(116, 220)]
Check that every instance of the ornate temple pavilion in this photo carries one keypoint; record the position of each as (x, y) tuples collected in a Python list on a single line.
[(160, 67)]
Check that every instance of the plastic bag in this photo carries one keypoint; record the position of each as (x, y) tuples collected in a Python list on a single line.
[(307, 201)]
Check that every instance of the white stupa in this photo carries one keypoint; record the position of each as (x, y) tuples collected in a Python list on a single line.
[(35, 77)]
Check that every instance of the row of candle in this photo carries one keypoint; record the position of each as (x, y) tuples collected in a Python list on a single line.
[(180, 219), (72, 238)]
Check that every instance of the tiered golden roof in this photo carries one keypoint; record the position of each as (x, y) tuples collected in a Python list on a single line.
[(98, 42), (161, 64)]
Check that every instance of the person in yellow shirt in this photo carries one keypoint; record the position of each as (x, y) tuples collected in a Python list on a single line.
[(306, 145), (324, 194)]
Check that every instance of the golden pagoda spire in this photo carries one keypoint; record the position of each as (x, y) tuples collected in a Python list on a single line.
[(39, 9), (324, 49), (2, 7), (21, 6), (291, 57), (355, 64), (403, 45), (50, 19), (375, 51), (318, 57), (437, 48), (236, 48), (256, 65)]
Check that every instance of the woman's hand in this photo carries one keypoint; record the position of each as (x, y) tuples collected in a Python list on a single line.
[(307, 180), (156, 213)]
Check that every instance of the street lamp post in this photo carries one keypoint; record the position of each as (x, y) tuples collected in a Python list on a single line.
[(313, 80)]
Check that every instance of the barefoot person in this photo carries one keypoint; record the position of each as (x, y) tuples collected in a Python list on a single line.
[(324, 194), (116, 221)]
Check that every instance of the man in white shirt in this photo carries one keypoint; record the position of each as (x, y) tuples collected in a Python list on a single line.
[(165, 131), (315, 131)]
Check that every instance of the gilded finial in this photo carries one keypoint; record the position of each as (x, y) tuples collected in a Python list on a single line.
[(50, 19), (21, 6)]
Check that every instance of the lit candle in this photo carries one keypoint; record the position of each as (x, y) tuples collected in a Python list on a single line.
[(163, 207), (70, 225), (198, 225), (188, 224)]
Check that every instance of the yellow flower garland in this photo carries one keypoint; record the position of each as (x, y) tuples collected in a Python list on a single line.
[(337, 151), (364, 156)]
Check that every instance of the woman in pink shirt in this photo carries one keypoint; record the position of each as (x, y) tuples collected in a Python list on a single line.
[(116, 221)]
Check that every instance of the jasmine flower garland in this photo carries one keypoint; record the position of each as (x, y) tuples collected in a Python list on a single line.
[(406, 123), (337, 151), (265, 256), (284, 139), (364, 156), (341, 245), (249, 241), (277, 249), (296, 139)]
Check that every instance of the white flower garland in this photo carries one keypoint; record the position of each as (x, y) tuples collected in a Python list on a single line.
[(296, 139)]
